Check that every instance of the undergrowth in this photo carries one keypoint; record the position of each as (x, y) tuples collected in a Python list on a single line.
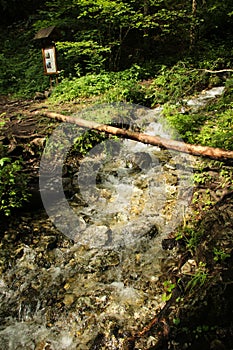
[(13, 185), (21, 70), (108, 86), (211, 125)]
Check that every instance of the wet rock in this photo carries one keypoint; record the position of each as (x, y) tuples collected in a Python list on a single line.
[(94, 236), (126, 295), (169, 243), (139, 160), (39, 96), (162, 156), (189, 267), (69, 299), (43, 345), (67, 184), (98, 342), (171, 179), (105, 260), (49, 242)]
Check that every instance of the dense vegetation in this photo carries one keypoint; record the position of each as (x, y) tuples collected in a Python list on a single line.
[(96, 37), (150, 52)]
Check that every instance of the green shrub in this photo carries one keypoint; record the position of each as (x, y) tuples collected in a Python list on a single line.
[(184, 126), (21, 67), (83, 87), (173, 84), (13, 185), (218, 131), (81, 57), (109, 86), (84, 143), (208, 129)]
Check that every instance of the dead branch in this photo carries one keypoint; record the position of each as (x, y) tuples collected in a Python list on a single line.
[(197, 150), (210, 71), (216, 71)]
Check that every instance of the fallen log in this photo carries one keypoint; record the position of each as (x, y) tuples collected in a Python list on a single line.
[(197, 150)]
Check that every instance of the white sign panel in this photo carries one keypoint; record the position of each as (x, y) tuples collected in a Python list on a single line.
[(49, 57)]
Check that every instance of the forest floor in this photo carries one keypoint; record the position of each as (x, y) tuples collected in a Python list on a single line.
[(206, 301), (12, 107)]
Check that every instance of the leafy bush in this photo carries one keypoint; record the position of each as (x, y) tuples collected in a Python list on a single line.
[(126, 91), (84, 143), (21, 68), (13, 185), (172, 84), (83, 87), (111, 86), (211, 125), (185, 126), (218, 131), (81, 57), (205, 128)]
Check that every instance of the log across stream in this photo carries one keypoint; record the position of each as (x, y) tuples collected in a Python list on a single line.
[(198, 150)]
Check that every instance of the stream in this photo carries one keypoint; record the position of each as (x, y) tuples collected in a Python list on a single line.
[(87, 271)]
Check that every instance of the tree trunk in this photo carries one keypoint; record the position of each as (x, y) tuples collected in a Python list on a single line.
[(197, 150), (193, 29)]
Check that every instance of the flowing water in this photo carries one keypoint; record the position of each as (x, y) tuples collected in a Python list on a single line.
[(88, 272)]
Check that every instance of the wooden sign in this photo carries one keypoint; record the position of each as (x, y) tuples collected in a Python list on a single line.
[(49, 60)]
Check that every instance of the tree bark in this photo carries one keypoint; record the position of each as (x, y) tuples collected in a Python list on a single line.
[(193, 29), (197, 150)]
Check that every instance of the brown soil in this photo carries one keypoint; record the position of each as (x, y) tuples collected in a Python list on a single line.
[(21, 132), (11, 107)]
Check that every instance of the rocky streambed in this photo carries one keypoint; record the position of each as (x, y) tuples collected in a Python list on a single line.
[(58, 294), (86, 274), (70, 297)]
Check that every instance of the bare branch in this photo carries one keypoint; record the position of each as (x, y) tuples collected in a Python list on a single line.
[(210, 152)]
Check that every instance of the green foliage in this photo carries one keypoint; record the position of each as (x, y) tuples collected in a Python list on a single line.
[(2, 122), (84, 143), (220, 255), (168, 286), (184, 126), (112, 87), (126, 91), (199, 278), (173, 84), (191, 237), (81, 57), (13, 185), (210, 126), (202, 178), (176, 321), (112, 35), (127, 27), (226, 177), (203, 330), (21, 69), (83, 87), (218, 131)]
